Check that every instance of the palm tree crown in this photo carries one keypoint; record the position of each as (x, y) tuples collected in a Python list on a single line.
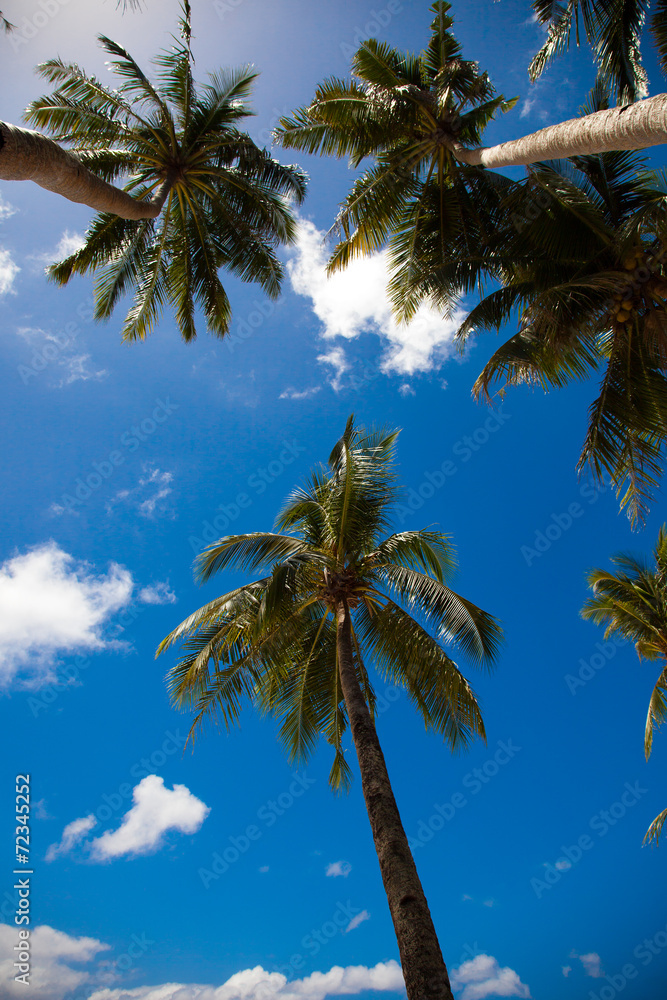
[(273, 641), (578, 255), (222, 202), (297, 642), (632, 602), (409, 114)]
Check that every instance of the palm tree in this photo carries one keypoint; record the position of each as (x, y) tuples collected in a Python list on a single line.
[(587, 276), (613, 30), (297, 643), (200, 194), (632, 602), (410, 112)]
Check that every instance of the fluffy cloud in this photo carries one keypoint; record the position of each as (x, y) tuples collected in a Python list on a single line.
[(157, 593), (337, 868), (338, 361), (354, 301), (53, 953), (591, 964), (51, 605), (258, 984), (8, 271), (73, 833), (156, 810), (483, 977), (68, 244)]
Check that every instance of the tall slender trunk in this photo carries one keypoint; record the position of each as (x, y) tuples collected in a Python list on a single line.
[(424, 969), (30, 156), (634, 126)]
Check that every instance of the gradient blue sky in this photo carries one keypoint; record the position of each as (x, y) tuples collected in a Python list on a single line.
[(209, 438)]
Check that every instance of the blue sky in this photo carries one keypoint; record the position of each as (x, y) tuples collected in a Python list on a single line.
[(224, 866)]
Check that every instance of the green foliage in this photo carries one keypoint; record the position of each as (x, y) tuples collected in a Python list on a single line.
[(631, 602), (561, 252), (226, 201), (405, 112), (273, 642), (612, 29)]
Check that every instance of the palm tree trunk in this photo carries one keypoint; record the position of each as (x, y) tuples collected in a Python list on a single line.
[(634, 126), (424, 969), (27, 155)]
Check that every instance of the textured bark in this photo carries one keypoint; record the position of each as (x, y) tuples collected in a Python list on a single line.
[(29, 156), (635, 126), (423, 966)]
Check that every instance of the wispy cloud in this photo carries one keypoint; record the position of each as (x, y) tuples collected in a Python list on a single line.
[(591, 962), (68, 244), (291, 393), (157, 593), (59, 351), (338, 868), (6, 210), (148, 496), (354, 301), (355, 921), (73, 834), (50, 605)]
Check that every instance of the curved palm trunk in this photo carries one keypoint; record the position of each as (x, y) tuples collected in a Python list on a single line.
[(30, 156), (424, 969), (634, 126)]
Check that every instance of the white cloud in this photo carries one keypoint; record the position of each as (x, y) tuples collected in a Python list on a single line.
[(483, 977), (50, 605), (258, 984), (336, 358), (563, 865), (567, 969), (8, 271), (149, 494), (5, 209), (68, 244), (53, 952), (263, 869), (156, 810), (591, 964), (291, 393), (354, 301), (157, 593), (406, 389), (337, 868), (73, 833), (50, 349), (355, 921), (78, 370), (489, 902)]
